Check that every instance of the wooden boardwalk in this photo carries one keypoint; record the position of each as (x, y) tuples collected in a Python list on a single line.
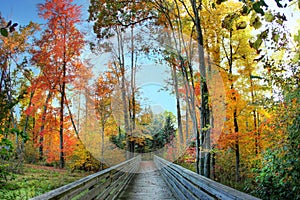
[(147, 184)]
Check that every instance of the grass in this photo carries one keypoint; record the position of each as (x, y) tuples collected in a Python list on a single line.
[(35, 181)]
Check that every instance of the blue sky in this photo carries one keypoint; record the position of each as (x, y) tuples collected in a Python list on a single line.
[(24, 11), (20, 11)]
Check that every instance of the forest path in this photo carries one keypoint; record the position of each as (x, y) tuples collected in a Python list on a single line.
[(147, 184)]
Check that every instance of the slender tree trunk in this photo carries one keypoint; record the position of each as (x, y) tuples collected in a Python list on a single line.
[(132, 105), (254, 117), (86, 108), (42, 128), (255, 131), (190, 98), (213, 163), (25, 127), (205, 121), (125, 110), (78, 112), (61, 128), (178, 108), (237, 147), (34, 135), (187, 125), (102, 144), (71, 118), (205, 115), (235, 117), (258, 132)]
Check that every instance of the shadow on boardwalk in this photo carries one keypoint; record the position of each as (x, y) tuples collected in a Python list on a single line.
[(147, 184)]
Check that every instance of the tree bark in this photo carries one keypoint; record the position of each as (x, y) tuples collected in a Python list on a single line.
[(121, 63), (42, 128), (254, 117), (178, 107), (132, 104), (102, 144), (205, 114), (61, 119), (237, 147)]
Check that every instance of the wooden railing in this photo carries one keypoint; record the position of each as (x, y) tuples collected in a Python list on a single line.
[(106, 184), (186, 184)]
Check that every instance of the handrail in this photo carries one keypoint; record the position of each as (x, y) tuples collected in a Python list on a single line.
[(186, 184), (106, 184)]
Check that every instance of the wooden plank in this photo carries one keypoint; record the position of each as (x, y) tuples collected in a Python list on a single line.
[(215, 189), (74, 189), (189, 186), (178, 193), (115, 187), (148, 184), (115, 196), (181, 187)]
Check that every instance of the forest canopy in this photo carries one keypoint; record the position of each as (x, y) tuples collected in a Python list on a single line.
[(71, 93)]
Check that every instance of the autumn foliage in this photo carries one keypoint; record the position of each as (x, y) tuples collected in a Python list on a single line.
[(231, 66)]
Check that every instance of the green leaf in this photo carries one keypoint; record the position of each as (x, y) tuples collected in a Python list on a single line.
[(245, 10), (279, 21), (255, 21), (264, 34), (257, 24), (4, 32), (297, 37), (228, 20), (257, 8), (269, 17), (257, 43)]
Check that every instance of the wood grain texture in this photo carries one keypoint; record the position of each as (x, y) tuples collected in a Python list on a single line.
[(106, 184), (147, 184), (186, 184)]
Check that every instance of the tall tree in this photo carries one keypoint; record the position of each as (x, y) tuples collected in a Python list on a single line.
[(58, 51), (12, 87)]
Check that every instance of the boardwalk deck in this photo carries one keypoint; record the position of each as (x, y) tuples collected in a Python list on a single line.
[(147, 184)]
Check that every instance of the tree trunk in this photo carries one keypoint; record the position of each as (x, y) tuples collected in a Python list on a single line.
[(205, 131), (187, 125), (120, 65), (254, 116), (178, 108), (41, 134), (132, 105), (61, 127), (72, 119), (235, 120), (213, 164), (205, 115), (237, 147), (78, 113), (102, 145), (190, 99)]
